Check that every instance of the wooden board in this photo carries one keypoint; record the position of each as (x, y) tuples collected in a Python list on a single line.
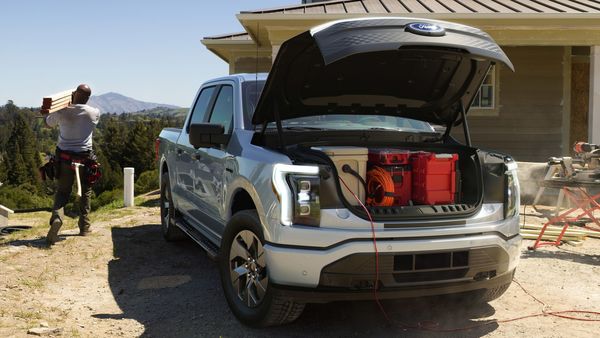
[(59, 95), (49, 104), (57, 101)]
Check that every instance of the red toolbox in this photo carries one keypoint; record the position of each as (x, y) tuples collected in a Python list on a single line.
[(402, 177), (433, 178), (397, 163), (383, 157)]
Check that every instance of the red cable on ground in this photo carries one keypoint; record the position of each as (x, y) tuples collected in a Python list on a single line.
[(421, 326), (376, 252)]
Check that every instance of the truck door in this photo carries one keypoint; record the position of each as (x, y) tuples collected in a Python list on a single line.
[(210, 167), (183, 188)]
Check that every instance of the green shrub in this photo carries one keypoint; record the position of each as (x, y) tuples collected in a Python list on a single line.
[(108, 197), (147, 181), (21, 197)]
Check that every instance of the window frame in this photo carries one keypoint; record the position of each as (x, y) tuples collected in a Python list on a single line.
[(214, 103), (208, 107), (495, 83)]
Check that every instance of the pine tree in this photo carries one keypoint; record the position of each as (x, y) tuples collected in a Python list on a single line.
[(22, 158)]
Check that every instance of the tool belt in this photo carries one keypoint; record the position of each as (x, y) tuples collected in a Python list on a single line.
[(91, 168)]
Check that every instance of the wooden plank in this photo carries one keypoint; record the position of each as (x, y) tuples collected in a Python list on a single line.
[(394, 6), (550, 238), (60, 94), (48, 103), (55, 108), (374, 6), (355, 7), (552, 232)]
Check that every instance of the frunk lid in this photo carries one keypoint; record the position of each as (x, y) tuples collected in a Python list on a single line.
[(416, 68)]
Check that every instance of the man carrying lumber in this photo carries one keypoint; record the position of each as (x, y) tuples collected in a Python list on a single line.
[(73, 155)]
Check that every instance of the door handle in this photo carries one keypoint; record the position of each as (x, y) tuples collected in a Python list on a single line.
[(197, 156), (179, 151)]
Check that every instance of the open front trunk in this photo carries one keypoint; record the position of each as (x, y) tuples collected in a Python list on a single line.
[(331, 150), (334, 193)]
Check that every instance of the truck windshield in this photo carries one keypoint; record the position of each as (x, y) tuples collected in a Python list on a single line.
[(356, 122), (251, 91)]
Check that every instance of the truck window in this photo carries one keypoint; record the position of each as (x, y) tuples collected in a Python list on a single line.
[(222, 112), (201, 106)]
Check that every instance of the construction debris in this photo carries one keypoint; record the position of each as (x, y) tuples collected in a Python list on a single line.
[(57, 101)]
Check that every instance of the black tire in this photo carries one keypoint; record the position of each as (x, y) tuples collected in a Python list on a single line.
[(167, 212), (273, 308)]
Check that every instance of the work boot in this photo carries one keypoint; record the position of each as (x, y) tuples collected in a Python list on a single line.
[(84, 226), (55, 224), (85, 231)]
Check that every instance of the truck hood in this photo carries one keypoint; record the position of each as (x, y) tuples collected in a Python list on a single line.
[(415, 68)]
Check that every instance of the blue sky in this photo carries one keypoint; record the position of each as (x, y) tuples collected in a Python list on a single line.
[(148, 50)]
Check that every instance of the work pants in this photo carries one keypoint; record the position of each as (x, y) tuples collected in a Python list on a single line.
[(66, 177)]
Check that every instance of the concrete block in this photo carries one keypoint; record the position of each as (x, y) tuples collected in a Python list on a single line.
[(4, 212)]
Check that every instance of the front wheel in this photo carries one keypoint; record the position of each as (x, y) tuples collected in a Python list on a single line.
[(245, 278)]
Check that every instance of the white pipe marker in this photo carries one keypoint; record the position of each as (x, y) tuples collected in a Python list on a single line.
[(128, 186)]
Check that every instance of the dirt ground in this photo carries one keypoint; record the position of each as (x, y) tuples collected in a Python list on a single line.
[(125, 280)]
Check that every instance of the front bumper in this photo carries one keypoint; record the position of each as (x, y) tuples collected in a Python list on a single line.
[(491, 256), (325, 295)]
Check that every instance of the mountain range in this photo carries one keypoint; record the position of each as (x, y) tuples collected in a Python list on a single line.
[(117, 103)]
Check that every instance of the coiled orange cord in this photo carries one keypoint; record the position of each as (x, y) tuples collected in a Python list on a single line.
[(380, 188)]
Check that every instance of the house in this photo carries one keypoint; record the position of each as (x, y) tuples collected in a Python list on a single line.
[(551, 101)]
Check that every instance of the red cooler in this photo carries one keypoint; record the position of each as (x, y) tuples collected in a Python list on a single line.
[(433, 178)]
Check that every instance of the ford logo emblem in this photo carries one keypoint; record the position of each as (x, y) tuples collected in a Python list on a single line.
[(423, 28)]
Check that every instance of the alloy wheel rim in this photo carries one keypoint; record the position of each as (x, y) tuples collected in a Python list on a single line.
[(247, 267)]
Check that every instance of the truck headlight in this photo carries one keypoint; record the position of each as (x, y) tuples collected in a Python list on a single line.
[(297, 188), (512, 198)]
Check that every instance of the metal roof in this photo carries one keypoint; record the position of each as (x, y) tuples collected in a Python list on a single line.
[(438, 6)]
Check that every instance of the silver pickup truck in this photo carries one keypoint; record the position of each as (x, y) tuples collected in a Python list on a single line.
[(341, 172)]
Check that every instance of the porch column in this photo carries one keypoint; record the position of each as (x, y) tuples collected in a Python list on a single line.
[(594, 112)]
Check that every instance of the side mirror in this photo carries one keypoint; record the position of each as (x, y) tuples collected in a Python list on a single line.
[(206, 135)]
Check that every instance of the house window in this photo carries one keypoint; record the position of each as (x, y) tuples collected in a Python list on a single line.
[(486, 96)]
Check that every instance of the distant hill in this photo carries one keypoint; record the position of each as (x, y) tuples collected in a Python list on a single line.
[(117, 103)]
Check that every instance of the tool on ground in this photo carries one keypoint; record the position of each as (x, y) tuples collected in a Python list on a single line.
[(58, 101), (573, 177)]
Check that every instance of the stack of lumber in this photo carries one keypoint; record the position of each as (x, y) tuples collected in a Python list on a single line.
[(574, 235), (57, 101)]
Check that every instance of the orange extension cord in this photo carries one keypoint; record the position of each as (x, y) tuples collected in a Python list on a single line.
[(380, 188), (432, 325)]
